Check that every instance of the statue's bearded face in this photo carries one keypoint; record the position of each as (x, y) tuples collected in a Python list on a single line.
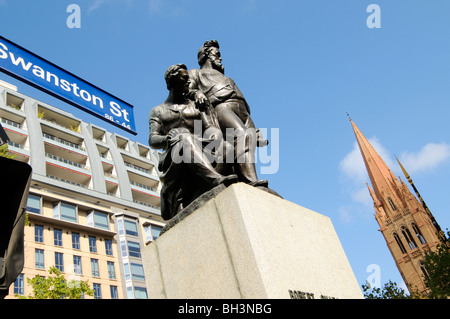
[(216, 60)]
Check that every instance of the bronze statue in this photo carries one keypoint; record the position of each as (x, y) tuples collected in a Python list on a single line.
[(187, 171), (206, 133), (209, 85)]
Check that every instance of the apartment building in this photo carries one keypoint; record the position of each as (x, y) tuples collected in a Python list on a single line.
[(93, 201)]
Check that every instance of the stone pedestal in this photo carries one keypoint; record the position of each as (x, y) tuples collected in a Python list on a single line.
[(248, 244)]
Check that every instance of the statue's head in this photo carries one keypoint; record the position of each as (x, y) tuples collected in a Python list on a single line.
[(210, 51), (177, 77)]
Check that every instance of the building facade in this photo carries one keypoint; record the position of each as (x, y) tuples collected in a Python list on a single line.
[(405, 222), (93, 201)]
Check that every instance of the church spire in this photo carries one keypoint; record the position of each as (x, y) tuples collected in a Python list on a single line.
[(385, 185), (405, 222)]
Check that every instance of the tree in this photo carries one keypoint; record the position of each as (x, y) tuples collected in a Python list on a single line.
[(5, 153), (55, 286), (437, 265), (390, 290)]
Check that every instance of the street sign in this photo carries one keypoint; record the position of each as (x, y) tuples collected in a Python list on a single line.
[(50, 78)]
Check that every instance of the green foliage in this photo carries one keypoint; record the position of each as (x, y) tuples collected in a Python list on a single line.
[(437, 264), (390, 290), (5, 153), (56, 287)]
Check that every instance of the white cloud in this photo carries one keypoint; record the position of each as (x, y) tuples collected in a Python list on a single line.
[(428, 158), (352, 165), (155, 6), (96, 5), (345, 215), (362, 196)]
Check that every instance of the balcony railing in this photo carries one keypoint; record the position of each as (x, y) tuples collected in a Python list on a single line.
[(66, 161), (62, 141)]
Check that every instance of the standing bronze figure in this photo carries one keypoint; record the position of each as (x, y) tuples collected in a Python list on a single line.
[(210, 85)]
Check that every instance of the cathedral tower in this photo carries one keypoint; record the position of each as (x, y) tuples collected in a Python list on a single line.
[(405, 222)]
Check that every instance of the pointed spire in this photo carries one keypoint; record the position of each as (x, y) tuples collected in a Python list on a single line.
[(384, 183)]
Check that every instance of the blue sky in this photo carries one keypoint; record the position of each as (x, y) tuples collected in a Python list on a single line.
[(302, 65)]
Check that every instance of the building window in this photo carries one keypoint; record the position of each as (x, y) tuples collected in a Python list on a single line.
[(391, 203), (97, 291), (131, 228), (94, 268), (39, 258), (418, 233), (98, 220), (152, 232), (65, 211), (140, 293), (75, 241), (126, 268), (134, 249), (19, 285), (77, 265), (111, 270), (108, 247), (34, 204), (92, 244), (39, 233), (57, 235), (399, 243), (424, 270), (114, 292), (59, 261), (137, 272), (409, 239)]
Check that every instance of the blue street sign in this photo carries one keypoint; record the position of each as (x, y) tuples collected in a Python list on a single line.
[(44, 75)]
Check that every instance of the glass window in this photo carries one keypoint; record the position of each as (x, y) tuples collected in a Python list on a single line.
[(65, 211), (92, 244), (75, 241), (418, 233), (34, 204), (18, 285), (57, 234), (156, 231), (152, 232), (137, 272), (97, 291), (77, 265), (114, 292), (399, 243), (98, 220), (111, 270), (126, 268), (39, 233), (94, 268), (140, 293), (134, 249), (131, 228), (39, 258), (69, 212), (108, 247), (59, 261)]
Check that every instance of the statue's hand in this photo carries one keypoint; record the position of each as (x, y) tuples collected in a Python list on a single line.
[(260, 140), (200, 98), (173, 136)]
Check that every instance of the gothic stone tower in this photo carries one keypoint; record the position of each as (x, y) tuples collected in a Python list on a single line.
[(405, 222)]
